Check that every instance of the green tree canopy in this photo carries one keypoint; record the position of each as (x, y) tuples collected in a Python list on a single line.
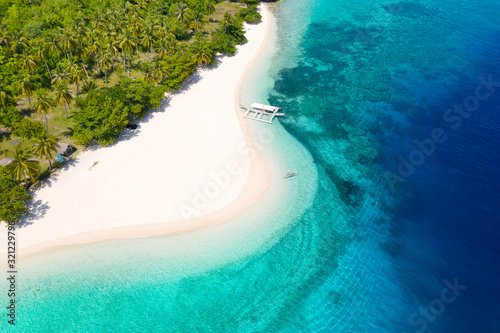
[(202, 52), (100, 121), (9, 117), (249, 14), (52, 46), (28, 129), (13, 198), (26, 86), (45, 146), (44, 104), (5, 96), (63, 96), (22, 167), (104, 113)]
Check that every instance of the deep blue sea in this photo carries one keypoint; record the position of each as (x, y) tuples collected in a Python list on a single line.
[(398, 103), (419, 82)]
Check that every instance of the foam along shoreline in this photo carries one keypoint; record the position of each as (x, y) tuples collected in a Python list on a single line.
[(191, 165)]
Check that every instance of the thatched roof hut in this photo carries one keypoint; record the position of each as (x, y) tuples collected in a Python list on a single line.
[(66, 149)]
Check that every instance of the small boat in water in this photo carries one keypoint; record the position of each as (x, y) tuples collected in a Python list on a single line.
[(290, 175)]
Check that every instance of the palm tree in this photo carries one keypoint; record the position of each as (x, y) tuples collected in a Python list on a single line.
[(66, 42), (45, 146), (181, 12), (78, 31), (54, 48), (147, 41), (4, 36), (209, 7), (163, 50), (75, 76), (99, 21), (167, 44), (83, 53), (113, 50), (143, 3), (80, 45), (226, 21), (202, 52), (5, 96), (63, 96), (28, 63), (26, 86), (39, 51), (127, 45), (62, 77), (70, 67), (158, 74), (149, 76), (17, 42), (104, 64), (126, 6), (126, 42), (44, 104), (136, 27), (149, 73), (109, 36), (166, 33), (180, 49), (22, 166), (92, 45), (196, 21)]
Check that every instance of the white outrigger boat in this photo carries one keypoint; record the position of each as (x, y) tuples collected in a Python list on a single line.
[(262, 112), (291, 175)]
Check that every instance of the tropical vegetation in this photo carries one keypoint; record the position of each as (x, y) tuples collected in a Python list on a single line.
[(23, 167), (79, 71), (13, 198)]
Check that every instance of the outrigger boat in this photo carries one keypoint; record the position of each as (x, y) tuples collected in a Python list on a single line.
[(290, 175), (262, 112)]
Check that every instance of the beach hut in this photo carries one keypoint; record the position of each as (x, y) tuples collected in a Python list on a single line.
[(66, 149)]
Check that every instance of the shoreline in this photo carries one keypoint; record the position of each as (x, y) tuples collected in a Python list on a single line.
[(251, 190)]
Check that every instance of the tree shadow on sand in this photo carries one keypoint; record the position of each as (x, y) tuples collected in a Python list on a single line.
[(52, 177), (38, 209)]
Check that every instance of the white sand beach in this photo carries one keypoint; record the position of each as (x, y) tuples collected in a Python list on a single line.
[(185, 167)]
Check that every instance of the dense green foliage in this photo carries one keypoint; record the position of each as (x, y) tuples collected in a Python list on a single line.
[(104, 113), (13, 198), (84, 69), (9, 117), (101, 120), (249, 14), (45, 147), (28, 129), (46, 46), (228, 35), (23, 167)]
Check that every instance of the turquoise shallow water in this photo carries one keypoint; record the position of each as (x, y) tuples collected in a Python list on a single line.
[(341, 251), (198, 281)]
